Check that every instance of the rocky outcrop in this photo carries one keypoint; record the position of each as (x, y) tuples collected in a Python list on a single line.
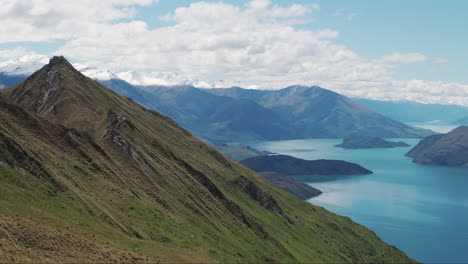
[(254, 191)]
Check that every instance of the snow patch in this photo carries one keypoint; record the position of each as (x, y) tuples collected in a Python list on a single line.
[(28, 64), (25, 65)]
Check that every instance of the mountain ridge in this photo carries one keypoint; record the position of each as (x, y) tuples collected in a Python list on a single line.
[(80, 157), (321, 113)]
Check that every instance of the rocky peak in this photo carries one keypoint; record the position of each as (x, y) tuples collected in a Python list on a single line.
[(59, 66), (58, 60), (58, 92)]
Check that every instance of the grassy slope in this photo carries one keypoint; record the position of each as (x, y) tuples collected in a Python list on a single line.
[(170, 198)]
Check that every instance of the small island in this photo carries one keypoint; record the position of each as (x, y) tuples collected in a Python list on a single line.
[(289, 165), (369, 143), (286, 183)]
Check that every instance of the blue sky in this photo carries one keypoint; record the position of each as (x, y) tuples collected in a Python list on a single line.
[(393, 50), (375, 28)]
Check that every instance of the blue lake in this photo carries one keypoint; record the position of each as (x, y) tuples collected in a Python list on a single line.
[(423, 210)]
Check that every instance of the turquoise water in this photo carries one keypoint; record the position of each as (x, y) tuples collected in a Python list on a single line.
[(423, 210)]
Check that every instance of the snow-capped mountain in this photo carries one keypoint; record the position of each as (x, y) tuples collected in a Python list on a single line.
[(26, 65), (95, 72), (154, 78)]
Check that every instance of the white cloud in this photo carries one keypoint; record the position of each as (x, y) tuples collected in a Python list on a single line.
[(256, 44), (21, 61), (413, 90), (404, 58), (15, 53), (44, 20), (264, 8), (214, 41)]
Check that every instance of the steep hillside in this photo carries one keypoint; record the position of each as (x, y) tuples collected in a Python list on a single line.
[(299, 189), (449, 149), (89, 176)]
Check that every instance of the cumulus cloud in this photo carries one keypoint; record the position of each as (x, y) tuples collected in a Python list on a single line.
[(257, 44), (413, 90), (253, 44), (44, 20), (15, 53)]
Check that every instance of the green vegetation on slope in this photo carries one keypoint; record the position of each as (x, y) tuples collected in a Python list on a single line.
[(105, 171)]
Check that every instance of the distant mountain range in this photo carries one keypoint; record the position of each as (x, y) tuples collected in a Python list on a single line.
[(236, 114), (449, 149), (16, 70), (26, 65), (410, 112), (314, 112)]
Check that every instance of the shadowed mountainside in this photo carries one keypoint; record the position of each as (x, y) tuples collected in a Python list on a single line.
[(449, 149), (289, 165), (315, 112), (119, 182), (236, 114)]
